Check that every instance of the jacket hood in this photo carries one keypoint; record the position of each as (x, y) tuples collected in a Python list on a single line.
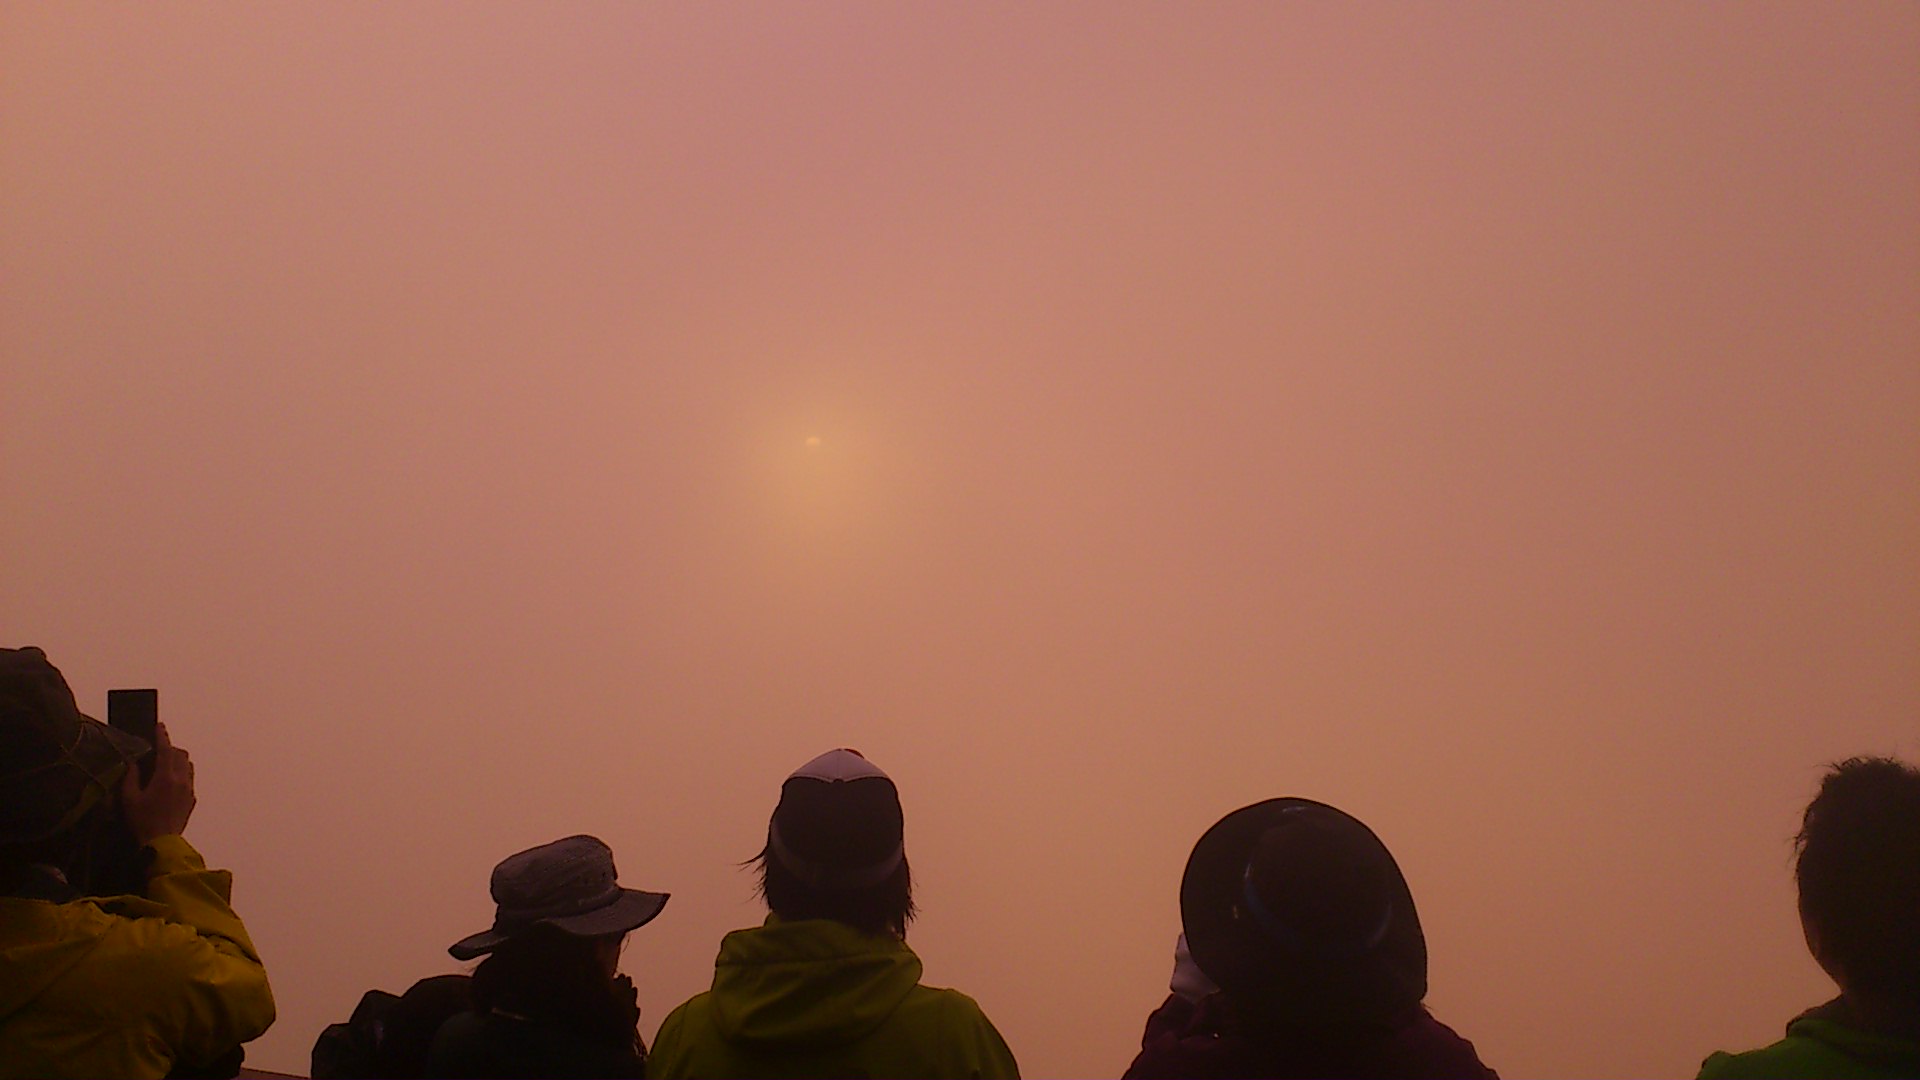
[(40, 942), (809, 983), (1836, 1026)]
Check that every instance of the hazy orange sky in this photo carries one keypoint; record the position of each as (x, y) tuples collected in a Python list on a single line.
[(1500, 421)]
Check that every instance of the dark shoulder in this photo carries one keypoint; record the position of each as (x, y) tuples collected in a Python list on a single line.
[(457, 1046), (491, 1045), (1425, 1046), (1211, 1038)]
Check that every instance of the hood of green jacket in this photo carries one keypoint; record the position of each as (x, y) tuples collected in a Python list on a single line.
[(814, 982), (1886, 1050), (41, 941)]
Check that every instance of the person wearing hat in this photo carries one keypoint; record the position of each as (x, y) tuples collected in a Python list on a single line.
[(548, 1000), (1302, 956), (827, 985), (108, 985)]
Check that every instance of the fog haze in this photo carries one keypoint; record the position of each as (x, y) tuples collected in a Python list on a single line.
[(1499, 421)]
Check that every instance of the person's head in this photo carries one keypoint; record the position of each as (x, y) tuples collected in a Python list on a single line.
[(1859, 875), (836, 847), (59, 768), (1298, 912), (548, 972), (560, 918)]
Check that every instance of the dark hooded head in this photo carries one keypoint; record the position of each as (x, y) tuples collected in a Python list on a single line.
[(1299, 913)]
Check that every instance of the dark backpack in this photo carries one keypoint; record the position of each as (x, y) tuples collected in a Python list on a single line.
[(387, 1037)]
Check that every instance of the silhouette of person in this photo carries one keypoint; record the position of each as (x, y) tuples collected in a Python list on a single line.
[(548, 1000), (1309, 955), (1858, 871), (165, 982), (827, 986)]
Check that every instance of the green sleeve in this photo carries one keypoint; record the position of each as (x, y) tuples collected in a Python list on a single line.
[(196, 896), (200, 946), (989, 1056), (664, 1059)]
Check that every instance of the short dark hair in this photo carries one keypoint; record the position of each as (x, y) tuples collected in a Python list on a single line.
[(885, 908), (1858, 869)]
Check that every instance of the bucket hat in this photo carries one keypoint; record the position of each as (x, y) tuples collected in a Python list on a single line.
[(1298, 909), (838, 825), (569, 885), (56, 763)]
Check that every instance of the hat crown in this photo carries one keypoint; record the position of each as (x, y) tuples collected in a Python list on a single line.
[(1298, 909), (565, 877), (41, 717), (838, 824), (569, 886), (1320, 883), (838, 766)]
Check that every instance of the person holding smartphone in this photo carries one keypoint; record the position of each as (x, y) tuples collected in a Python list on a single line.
[(159, 984)]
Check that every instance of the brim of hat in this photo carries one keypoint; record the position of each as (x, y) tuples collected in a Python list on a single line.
[(1244, 961), (635, 908)]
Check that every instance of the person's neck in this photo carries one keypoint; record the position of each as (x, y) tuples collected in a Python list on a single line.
[(1881, 1014)]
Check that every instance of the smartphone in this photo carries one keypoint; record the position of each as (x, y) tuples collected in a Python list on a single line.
[(136, 712)]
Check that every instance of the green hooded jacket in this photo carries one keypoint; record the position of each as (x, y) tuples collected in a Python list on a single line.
[(819, 998), (127, 986), (1821, 1043)]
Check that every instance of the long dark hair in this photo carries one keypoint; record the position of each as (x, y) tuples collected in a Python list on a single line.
[(548, 975), (885, 908)]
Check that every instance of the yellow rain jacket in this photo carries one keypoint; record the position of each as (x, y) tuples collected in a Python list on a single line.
[(125, 986)]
